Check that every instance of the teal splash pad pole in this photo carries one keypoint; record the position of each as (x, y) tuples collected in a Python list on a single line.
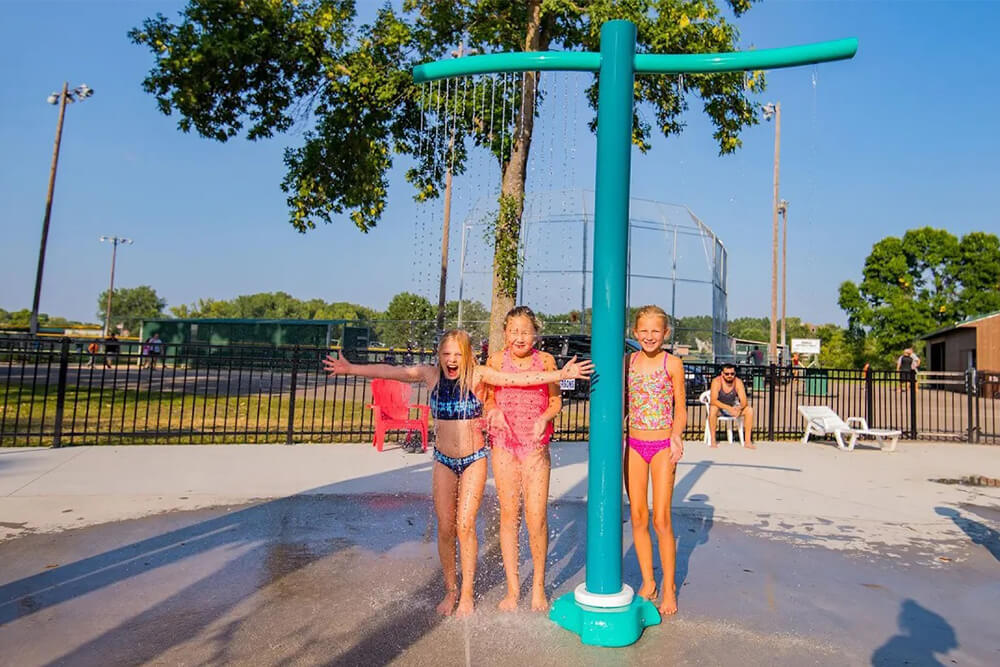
[(603, 610)]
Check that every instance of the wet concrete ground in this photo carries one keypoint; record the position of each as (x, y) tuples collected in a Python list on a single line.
[(353, 580)]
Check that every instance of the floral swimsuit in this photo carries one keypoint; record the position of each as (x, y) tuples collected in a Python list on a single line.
[(650, 407)]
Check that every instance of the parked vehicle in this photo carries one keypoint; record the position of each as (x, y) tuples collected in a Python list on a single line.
[(565, 346)]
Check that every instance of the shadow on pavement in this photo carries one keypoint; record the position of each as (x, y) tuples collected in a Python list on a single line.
[(979, 533), (284, 568), (922, 634)]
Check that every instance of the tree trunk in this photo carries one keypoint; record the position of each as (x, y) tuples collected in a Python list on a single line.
[(508, 228)]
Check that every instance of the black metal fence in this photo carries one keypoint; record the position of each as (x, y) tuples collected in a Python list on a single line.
[(53, 392)]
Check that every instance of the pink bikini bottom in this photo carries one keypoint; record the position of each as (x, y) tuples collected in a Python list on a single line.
[(647, 449)]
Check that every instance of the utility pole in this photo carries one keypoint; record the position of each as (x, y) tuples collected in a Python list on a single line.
[(81, 92), (33, 325), (774, 109), (115, 241), (783, 209)]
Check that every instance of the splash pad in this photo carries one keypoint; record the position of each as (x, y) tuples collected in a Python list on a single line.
[(603, 610)]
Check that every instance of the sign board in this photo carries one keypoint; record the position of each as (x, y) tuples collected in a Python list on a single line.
[(805, 345)]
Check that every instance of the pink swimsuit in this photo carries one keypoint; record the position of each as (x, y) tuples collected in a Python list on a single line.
[(650, 407), (521, 407)]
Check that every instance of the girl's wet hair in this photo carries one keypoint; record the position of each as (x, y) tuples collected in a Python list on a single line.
[(651, 310), (522, 311), (465, 372)]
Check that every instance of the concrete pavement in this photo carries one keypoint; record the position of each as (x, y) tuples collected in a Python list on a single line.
[(788, 491), (324, 554)]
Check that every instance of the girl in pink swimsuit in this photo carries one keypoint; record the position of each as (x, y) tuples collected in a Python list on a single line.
[(657, 415), (520, 426)]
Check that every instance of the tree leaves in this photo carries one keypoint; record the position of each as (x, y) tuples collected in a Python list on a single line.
[(131, 305), (916, 284), (260, 67)]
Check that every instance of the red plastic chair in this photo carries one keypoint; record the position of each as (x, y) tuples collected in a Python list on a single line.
[(391, 408)]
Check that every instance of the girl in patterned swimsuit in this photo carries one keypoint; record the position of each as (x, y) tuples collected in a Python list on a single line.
[(456, 385), (520, 427), (657, 415)]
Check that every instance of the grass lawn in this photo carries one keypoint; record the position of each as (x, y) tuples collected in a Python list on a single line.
[(123, 416)]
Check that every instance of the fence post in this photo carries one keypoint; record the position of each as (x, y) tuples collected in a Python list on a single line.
[(869, 398), (291, 397), (61, 391), (913, 403), (970, 400), (773, 375)]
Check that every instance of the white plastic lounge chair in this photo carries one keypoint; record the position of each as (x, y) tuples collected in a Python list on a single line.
[(706, 400), (821, 421)]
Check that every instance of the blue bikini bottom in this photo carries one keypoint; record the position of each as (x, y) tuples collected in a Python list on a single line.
[(458, 465)]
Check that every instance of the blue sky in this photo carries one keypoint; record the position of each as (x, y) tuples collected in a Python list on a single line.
[(901, 136)]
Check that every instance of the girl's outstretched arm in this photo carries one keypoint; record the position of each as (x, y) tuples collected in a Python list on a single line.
[(341, 366), (573, 369)]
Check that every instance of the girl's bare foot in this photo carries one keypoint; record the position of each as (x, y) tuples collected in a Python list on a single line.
[(647, 590), (465, 608), (714, 445), (750, 445), (538, 600), (669, 605), (448, 603), (509, 603)]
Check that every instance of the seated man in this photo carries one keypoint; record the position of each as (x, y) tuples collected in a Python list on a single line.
[(729, 396)]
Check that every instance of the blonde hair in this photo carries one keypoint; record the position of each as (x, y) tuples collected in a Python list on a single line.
[(647, 311), (465, 373)]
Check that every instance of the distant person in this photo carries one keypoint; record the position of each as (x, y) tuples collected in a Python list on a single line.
[(796, 367), (92, 351), (729, 396), (153, 348), (111, 348), (757, 355), (907, 365)]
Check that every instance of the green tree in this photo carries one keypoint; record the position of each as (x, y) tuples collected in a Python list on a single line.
[(977, 270), (258, 66), (21, 318), (274, 305), (923, 281), (750, 328), (131, 305), (475, 318), (409, 318)]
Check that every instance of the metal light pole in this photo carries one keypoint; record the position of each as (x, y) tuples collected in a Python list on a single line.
[(461, 274), (783, 209), (114, 241), (80, 93), (774, 109)]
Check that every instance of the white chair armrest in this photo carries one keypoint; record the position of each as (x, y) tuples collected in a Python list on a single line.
[(860, 420)]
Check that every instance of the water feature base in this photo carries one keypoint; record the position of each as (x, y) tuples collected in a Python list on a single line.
[(604, 626)]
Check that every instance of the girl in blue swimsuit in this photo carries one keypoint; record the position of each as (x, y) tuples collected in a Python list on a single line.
[(457, 386)]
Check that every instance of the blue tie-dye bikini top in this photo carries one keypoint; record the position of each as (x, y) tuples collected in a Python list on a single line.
[(446, 404)]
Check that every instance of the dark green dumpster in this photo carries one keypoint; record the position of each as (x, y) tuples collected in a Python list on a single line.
[(816, 381)]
